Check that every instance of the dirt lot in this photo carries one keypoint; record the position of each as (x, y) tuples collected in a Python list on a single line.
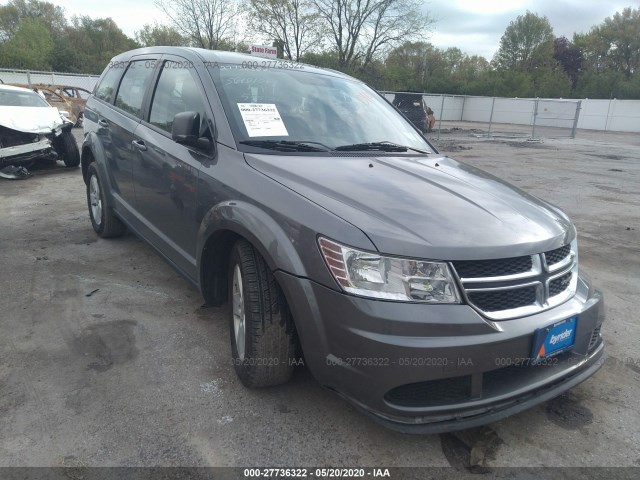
[(107, 356)]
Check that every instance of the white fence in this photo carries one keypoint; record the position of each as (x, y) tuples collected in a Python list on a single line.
[(30, 77), (563, 115), (610, 115), (559, 118)]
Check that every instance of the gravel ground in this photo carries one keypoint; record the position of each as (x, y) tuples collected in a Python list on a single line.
[(109, 358)]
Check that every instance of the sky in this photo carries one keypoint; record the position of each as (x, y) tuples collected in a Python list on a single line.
[(474, 26)]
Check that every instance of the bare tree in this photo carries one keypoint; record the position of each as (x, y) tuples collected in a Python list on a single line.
[(206, 23), (291, 23), (360, 30)]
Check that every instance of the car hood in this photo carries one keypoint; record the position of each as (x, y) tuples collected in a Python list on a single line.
[(425, 207), (31, 119)]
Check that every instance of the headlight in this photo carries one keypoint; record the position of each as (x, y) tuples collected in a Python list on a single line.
[(368, 274)]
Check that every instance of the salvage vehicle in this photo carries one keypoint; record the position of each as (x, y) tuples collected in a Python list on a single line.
[(413, 106), (32, 130), (76, 98), (430, 294), (55, 97)]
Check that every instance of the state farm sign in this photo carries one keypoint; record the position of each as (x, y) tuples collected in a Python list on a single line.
[(264, 51)]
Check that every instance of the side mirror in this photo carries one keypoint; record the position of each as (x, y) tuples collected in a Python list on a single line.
[(186, 128)]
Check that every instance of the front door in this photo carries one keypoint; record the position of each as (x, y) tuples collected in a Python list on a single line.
[(165, 172)]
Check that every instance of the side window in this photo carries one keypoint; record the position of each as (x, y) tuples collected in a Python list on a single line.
[(134, 83), (106, 90), (176, 92)]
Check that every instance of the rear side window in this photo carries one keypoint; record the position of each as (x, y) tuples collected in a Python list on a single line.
[(134, 83), (107, 88), (176, 92)]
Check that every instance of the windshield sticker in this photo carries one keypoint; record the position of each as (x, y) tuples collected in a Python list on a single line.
[(262, 120)]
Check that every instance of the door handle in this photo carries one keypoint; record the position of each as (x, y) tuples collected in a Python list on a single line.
[(139, 144), (103, 123)]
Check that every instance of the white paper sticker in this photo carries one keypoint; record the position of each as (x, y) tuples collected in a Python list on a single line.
[(262, 120)]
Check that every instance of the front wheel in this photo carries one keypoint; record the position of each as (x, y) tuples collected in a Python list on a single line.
[(79, 120), (67, 148), (263, 339)]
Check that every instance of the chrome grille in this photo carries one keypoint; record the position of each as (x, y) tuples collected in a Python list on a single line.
[(515, 287)]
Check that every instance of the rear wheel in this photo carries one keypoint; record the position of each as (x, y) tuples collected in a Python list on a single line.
[(67, 148), (263, 339), (104, 222)]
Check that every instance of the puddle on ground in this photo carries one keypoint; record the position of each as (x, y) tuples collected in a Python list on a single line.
[(566, 412), (107, 344)]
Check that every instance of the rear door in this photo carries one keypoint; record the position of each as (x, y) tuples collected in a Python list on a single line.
[(116, 124), (166, 173)]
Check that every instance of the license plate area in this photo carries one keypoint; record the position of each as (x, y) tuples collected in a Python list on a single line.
[(554, 339)]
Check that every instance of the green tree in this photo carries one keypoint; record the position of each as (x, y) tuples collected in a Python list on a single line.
[(470, 69), (36, 34), (160, 35), (551, 83), (324, 59), (421, 66), (629, 88), (230, 45), (410, 64), (526, 43), (595, 51), (50, 15), (513, 83), (63, 57), (607, 84), (614, 44), (29, 47), (96, 41), (594, 84)]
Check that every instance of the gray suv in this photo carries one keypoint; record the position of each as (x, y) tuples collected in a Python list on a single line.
[(430, 294)]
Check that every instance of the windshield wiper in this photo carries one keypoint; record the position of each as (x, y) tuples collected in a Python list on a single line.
[(287, 145), (382, 146)]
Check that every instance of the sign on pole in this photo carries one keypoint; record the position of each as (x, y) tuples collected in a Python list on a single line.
[(264, 51)]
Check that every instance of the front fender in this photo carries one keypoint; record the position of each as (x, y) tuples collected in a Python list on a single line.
[(254, 224)]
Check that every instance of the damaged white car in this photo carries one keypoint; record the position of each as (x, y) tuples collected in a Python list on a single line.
[(32, 130)]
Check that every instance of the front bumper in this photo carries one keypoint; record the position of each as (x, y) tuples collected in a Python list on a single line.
[(431, 368), (26, 152)]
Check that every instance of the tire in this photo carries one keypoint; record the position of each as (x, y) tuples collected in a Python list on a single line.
[(263, 339), (67, 148), (104, 222), (79, 120)]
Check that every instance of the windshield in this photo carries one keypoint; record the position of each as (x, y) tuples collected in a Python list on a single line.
[(275, 105), (18, 98)]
